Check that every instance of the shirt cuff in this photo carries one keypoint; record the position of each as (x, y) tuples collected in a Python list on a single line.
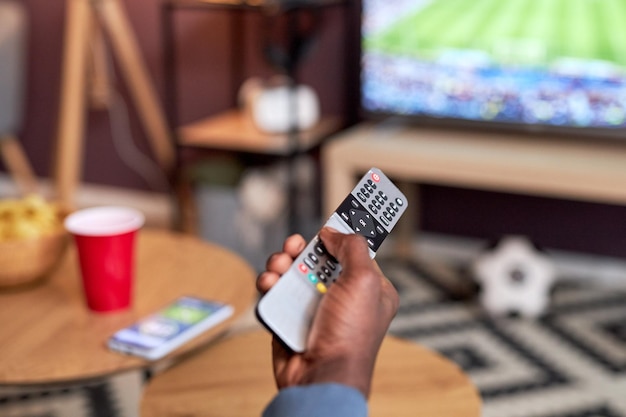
[(318, 400)]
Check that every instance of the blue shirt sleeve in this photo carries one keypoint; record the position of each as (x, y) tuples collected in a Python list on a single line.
[(318, 400)]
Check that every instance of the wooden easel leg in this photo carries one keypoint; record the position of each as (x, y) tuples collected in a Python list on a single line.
[(125, 49), (99, 80), (68, 159), (18, 165)]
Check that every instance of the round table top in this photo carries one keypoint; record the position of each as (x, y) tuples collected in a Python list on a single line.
[(234, 378), (47, 334)]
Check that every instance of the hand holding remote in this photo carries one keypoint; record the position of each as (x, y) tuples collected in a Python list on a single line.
[(350, 322), (372, 209)]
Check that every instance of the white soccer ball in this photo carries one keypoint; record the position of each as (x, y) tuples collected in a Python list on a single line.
[(515, 278)]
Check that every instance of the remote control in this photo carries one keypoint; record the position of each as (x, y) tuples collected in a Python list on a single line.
[(372, 209)]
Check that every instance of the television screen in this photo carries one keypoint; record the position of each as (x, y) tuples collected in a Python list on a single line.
[(524, 62)]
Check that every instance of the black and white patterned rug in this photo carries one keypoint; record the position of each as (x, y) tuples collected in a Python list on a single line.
[(569, 363), (115, 396)]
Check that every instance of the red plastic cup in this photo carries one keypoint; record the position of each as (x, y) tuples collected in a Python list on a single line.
[(105, 239)]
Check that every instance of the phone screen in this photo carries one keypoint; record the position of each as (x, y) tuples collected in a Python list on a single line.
[(168, 323)]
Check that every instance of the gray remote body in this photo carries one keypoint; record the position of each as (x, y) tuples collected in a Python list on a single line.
[(372, 209)]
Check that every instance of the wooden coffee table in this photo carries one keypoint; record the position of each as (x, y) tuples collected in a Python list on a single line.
[(234, 378), (47, 334)]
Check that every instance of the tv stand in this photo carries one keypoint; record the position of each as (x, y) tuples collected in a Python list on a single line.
[(518, 163)]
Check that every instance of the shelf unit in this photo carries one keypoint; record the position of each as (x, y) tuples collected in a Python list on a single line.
[(232, 130)]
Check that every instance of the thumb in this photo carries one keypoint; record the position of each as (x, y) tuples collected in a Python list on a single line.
[(350, 250)]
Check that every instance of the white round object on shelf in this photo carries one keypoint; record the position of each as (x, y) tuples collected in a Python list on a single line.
[(275, 107)]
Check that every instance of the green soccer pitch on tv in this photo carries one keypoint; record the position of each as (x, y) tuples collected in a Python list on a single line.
[(559, 63)]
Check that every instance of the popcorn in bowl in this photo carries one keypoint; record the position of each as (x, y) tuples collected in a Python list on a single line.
[(32, 239)]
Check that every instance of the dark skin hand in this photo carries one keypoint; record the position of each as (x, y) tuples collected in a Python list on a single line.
[(351, 320)]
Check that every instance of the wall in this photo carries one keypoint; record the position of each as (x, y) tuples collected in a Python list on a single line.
[(204, 47), (205, 75), (552, 223)]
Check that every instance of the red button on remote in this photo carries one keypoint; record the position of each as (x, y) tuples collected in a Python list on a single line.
[(375, 177), (303, 268)]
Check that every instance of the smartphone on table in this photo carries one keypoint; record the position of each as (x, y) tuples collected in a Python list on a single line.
[(160, 333)]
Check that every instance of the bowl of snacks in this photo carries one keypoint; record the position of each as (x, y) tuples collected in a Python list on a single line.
[(32, 240)]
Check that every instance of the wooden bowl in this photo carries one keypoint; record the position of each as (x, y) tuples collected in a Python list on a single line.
[(27, 261)]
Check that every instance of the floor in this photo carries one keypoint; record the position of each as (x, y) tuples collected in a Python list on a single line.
[(569, 363)]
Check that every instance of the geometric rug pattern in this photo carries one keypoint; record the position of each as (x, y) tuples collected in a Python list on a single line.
[(569, 363), (115, 396)]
